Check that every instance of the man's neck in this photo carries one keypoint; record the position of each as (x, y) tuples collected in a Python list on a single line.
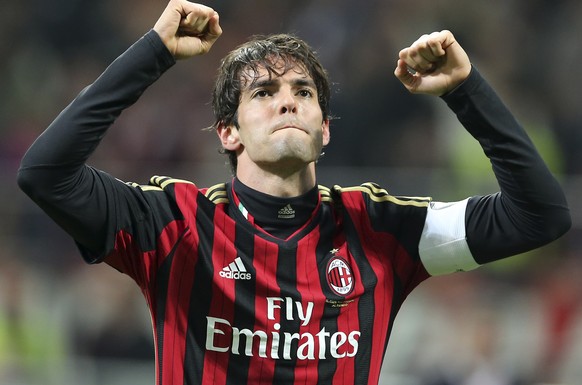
[(278, 216), (278, 184)]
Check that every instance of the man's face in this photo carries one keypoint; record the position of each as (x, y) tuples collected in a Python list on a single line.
[(281, 126)]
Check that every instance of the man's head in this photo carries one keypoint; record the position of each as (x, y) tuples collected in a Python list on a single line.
[(275, 54)]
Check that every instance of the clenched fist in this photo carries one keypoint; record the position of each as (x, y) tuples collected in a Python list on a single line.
[(188, 29), (434, 64)]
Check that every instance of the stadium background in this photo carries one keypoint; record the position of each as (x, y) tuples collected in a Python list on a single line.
[(515, 322)]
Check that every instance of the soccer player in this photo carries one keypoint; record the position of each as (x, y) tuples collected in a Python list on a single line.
[(270, 278)]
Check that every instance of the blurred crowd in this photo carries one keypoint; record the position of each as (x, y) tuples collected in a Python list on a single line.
[(515, 322)]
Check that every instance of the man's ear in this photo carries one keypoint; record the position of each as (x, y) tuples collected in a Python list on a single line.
[(229, 136), (326, 132)]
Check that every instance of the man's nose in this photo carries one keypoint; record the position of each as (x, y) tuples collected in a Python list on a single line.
[(287, 102)]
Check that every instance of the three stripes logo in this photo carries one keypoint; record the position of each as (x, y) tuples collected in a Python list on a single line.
[(286, 212), (235, 270)]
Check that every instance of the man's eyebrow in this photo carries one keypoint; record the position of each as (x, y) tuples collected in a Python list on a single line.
[(261, 83), (303, 82)]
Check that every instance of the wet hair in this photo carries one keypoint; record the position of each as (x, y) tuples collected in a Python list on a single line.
[(277, 54)]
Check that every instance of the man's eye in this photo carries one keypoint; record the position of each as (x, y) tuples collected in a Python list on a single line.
[(261, 93), (306, 93)]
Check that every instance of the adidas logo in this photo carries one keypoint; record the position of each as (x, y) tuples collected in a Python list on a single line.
[(286, 212), (235, 270)]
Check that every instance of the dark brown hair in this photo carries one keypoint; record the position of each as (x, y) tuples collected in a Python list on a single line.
[(263, 52)]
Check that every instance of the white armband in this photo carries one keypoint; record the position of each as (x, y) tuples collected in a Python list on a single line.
[(443, 244)]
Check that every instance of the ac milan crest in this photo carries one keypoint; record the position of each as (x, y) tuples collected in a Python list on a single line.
[(339, 276)]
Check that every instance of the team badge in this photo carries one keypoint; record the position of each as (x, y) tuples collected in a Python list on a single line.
[(339, 275)]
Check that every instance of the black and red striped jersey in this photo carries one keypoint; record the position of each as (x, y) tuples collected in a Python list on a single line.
[(232, 304)]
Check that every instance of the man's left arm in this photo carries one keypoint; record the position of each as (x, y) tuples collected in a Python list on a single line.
[(529, 211)]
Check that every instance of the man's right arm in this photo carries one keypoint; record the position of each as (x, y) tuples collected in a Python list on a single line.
[(53, 171), (84, 201)]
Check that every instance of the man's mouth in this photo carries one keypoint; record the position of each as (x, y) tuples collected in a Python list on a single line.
[(290, 126)]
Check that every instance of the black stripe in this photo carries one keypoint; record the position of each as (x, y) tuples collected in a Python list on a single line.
[(366, 306), (163, 275), (287, 279), (200, 298), (244, 315), (162, 282), (326, 368)]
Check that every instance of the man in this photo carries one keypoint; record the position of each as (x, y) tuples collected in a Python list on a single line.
[(271, 278)]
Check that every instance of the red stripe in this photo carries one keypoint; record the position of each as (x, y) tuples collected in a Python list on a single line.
[(347, 322), (383, 296), (222, 305), (143, 275), (176, 319), (309, 285), (261, 370)]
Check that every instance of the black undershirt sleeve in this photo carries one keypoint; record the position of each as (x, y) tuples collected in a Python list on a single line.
[(530, 210), (53, 171)]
